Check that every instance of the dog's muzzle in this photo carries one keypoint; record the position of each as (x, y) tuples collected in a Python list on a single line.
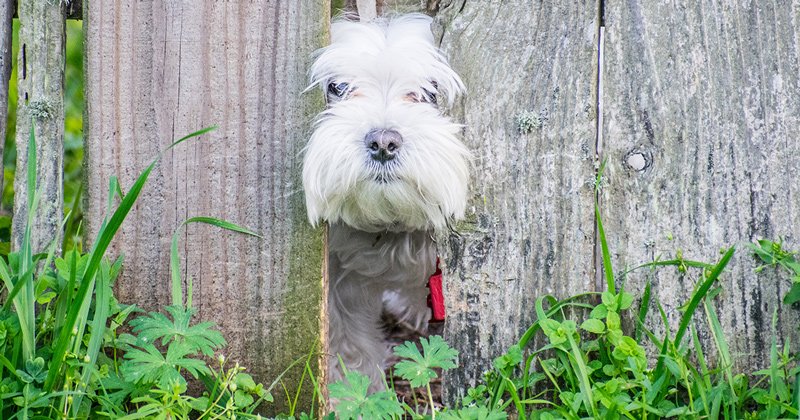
[(383, 145)]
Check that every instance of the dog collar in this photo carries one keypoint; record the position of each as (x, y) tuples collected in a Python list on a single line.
[(435, 295)]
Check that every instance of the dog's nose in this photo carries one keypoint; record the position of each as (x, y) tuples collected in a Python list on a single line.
[(383, 144)]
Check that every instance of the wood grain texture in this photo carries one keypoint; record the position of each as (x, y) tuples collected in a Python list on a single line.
[(388, 7), (6, 28), (702, 135), (530, 221), (157, 70), (40, 90)]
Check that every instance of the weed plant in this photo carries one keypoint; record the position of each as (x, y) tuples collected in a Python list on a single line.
[(589, 366), (62, 353)]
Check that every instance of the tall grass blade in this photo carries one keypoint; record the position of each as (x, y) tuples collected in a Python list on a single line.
[(101, 311), (725, 361), (697, 297), (512, 389), (601, 233), (104, 237), (583, 376), (643, 310), (174, 259), (796, 397), (70, 222), (607, 269)]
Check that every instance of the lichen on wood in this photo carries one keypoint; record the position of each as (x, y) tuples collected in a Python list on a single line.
[(40, 79)]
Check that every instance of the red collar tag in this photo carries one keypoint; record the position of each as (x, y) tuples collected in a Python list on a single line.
[(436, 297)]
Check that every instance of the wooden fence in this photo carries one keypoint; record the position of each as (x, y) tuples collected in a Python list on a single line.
[(694, 108)]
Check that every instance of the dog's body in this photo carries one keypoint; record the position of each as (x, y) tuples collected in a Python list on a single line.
[(386, 169)]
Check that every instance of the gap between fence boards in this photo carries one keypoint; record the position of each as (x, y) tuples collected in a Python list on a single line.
[(599, 278)]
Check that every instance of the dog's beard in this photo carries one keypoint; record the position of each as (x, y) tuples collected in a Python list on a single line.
[(420, 189)]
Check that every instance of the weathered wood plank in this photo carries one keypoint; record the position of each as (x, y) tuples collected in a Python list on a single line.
[(702, 121), (6, 28), (74, 8), (157, 70), (40, 84), (388, 7), (530, 225)]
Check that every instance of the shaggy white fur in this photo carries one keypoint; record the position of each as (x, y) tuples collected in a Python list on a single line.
[(385, 168)]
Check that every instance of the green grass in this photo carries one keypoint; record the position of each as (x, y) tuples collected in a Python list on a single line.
[(589, 366), (60, 352)]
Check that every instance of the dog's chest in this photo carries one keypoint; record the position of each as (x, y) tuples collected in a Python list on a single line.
[(381, 256)]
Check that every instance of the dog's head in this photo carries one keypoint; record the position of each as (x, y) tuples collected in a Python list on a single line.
[(382, 156)]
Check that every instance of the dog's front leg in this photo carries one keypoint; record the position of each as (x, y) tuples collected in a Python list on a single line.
[(355, 335)]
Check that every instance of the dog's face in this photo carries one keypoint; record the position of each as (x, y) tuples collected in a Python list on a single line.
[(382, 156)]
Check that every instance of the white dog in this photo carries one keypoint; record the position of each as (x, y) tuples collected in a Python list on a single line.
[(385, 168)]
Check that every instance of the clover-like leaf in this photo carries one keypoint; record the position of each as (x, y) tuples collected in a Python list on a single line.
[(419, 369), (512, 358), (626, 300), (613, 321), (242, 398), (628, 347), (354, 403), (609, 300), (594, 326), (599, 312), (244, 381), (554, 331), (34, 371)]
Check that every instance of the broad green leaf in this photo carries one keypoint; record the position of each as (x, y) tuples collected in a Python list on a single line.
[(201, 337), (594, 326), (793, 296), (354, 403), (418, 370)]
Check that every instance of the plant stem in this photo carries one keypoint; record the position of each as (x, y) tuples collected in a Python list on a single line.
[(430, 399)]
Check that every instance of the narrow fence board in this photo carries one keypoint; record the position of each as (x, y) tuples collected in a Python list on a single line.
[(530, 227), (74, 8), (40, 90), (157, 70), (702, 137), (6, 28)]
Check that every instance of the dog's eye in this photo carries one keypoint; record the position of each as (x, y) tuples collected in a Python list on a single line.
[(338, 90), (428, 96)]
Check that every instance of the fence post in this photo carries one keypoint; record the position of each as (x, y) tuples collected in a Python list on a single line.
[(40, 81)]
